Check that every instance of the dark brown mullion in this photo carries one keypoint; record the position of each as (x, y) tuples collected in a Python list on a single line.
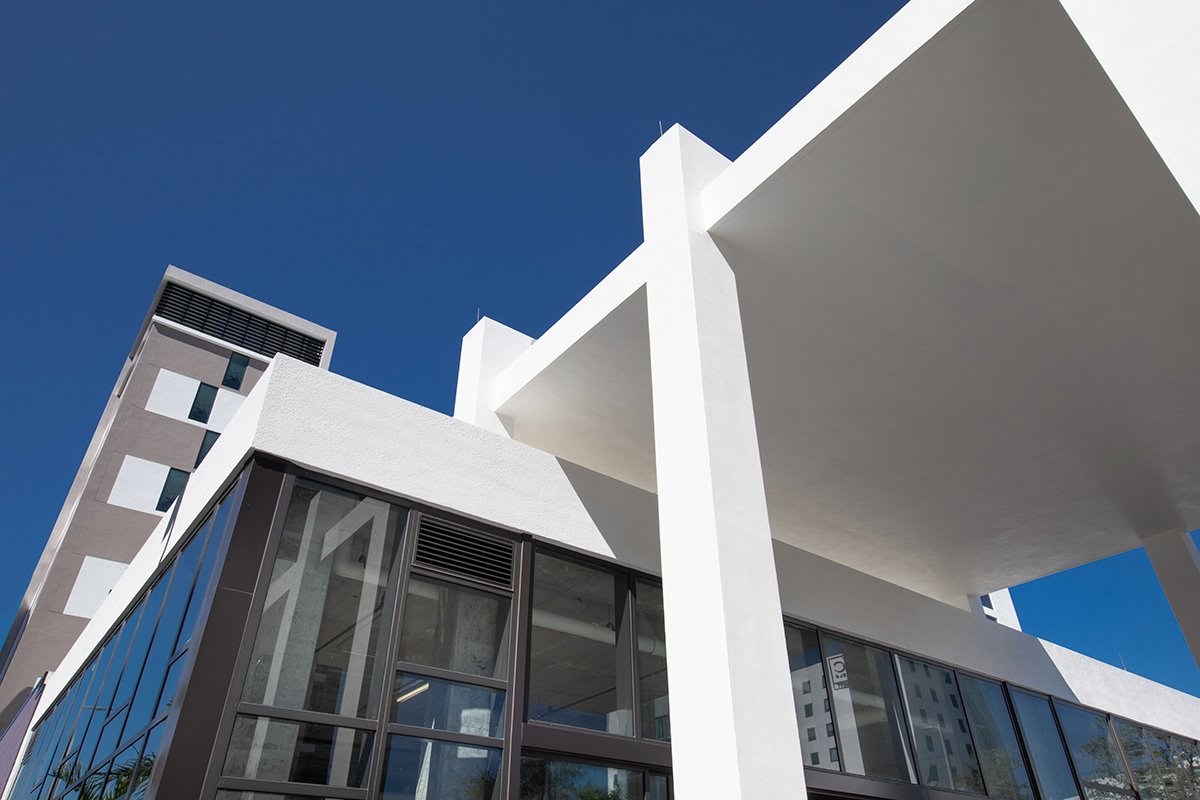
[(303, 789), (304, 715), (424, 670), (388, 657), (518, 672), (580, 745), (416, 732)]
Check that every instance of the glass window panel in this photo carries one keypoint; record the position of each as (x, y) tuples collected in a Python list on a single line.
[(577, 674), (455, 628), (140, 780), (316, 643), (1093, 747), (1042, 742), (658, 787), (95, 710), (228, 795), (235, 371), (173, 487), (202, 404), (111, 733), (166, 698), (121, 773), (210, 438), (949, 762), (1137, 752), (423, 769), (1175, 760), (1188, 761), (281, 750), (448, 706), (652, 662), (142, 638), (995, 739), (546, 779), (808, 684), (867, 704), (208, 540)]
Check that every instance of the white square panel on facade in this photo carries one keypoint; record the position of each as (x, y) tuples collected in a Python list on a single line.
[(97, 577), (139, 484), (172, 395), (224, 407)]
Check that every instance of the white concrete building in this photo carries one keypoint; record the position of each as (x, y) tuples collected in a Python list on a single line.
[(719, 531)]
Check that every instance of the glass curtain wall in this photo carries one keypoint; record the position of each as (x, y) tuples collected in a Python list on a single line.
[(102, 736)]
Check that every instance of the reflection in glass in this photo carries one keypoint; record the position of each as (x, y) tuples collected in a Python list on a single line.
[(544, 779), (1093, 749), (423, 769), (577, 674), (995, 739), (1050, 766), (448, 706), (944, 752), (869, 717), (813, 714), (316, 643), (455, 628), (1137, 752), (140, 780), (225, 794), (281, 750), (652, 662), (658, 788), (1176, 762)]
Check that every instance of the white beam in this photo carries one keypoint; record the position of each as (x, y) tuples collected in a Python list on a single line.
[(1177, 565)]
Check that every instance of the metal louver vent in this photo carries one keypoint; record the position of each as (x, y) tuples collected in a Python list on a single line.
[(457, 550), (235, 326)]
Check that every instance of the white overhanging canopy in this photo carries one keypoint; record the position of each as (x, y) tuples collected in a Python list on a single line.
[(967, 280)]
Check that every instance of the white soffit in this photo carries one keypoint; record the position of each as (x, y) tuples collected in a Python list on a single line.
[(968, 309)]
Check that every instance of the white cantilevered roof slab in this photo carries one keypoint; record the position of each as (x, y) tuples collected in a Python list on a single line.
[(968, 310), (967, 280)]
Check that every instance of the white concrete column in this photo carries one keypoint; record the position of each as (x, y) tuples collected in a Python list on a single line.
[(487, 349), (733, 726), (1177, 565)]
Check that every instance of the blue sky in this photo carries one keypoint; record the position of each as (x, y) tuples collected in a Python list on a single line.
[(384, 169)]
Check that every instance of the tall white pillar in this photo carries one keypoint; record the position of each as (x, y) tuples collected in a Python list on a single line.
[(1177, 565), (487, 350), (733, 727)]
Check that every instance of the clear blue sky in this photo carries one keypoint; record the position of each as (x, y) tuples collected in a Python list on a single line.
[(384, 169)]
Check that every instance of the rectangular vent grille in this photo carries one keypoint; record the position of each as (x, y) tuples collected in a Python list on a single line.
[(235, 326), (457, 550)]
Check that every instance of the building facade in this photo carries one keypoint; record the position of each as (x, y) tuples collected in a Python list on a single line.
[(730, 527)]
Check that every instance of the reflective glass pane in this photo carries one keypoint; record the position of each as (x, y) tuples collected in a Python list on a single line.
[(455, 628), (995, 739), (1093, 747), (145, 768), (1050, 766), (1137, 752), (173, 487), (652, 662), (577, 674), (423, 769), (448, 706), (316, 642), (210, 438), (202, 404), (227, 795), (142, 638), (281, 750), (208, 541), (944, 752), (658, 787), (546, 779), (1175, 760), (166, 697), (813, 714), (235, 371), (862, 687), (122, 773)]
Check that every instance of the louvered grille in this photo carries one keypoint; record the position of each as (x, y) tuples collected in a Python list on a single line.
[(235, 326), (454, 549)]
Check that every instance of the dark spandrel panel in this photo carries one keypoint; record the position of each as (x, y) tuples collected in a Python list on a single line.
[(302, 752), (813, 714), (1137, 752), (235, 371), (424, 769), (317, 639), (578, 675), (455, 628), (1093, 747), (944, 752), (652, 661), (548, 779), (173, 487), (995, 739), (447, 706), (228, 795), (1050, 766), (862, 688)]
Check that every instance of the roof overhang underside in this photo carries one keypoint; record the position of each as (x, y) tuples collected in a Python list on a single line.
[(967, 306)]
